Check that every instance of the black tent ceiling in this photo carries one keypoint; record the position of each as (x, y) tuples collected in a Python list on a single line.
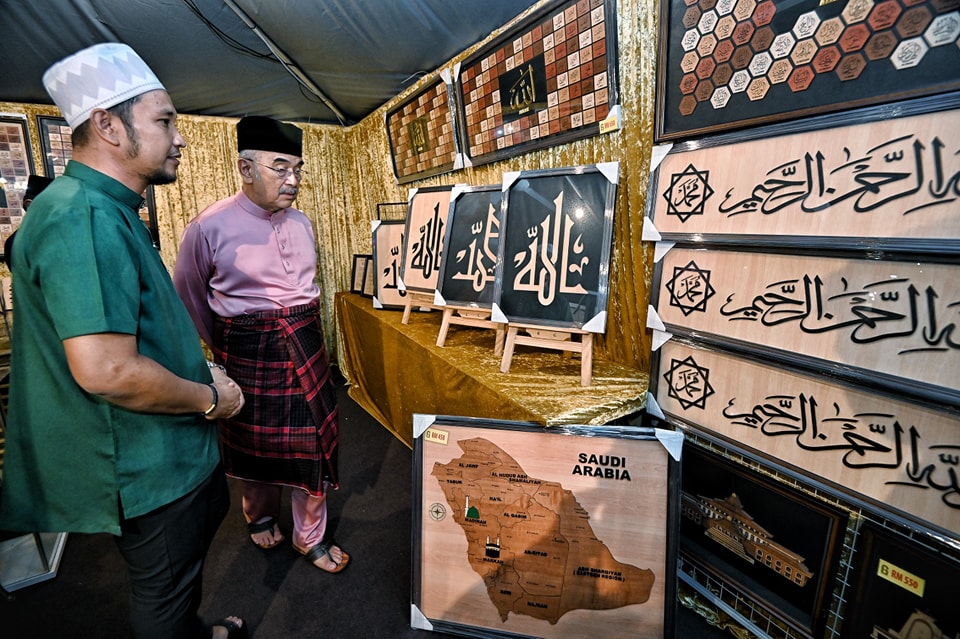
[(322, 61)]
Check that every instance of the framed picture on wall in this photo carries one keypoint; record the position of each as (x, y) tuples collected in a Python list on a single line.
[(422, 133), (426, 225), (549, 80), (16, 166), (358, 274), (903, 586), (726, 64), (556, 231), (521, 531), (769, 541), (387, 255), (56, 144), (471, 246)]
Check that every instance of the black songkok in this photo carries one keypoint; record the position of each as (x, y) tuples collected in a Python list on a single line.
[(260, 133)]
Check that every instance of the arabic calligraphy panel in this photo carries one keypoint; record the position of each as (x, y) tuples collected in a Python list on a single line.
[(895, 322), (894, 454), (553, 266), (387, 257), (894, 182), (549, 80), (563, 532), (422, 134), (426, 226), (726, 65), (469, 262)]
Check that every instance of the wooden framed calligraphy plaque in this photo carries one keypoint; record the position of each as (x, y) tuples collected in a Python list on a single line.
[(522, 531), (471, 246), (422, 133), (892, 454), (553, 267), (426, 225), (905, 586), (56, 143), (886, 323), (550, 80), (882, 184), (387, 255), (726, 63), (765, 539)]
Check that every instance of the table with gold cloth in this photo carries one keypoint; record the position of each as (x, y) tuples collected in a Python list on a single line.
[(395, 370)]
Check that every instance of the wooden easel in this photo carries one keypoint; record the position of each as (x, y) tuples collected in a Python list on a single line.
[(416, 298), (554, 339), (476, 317)]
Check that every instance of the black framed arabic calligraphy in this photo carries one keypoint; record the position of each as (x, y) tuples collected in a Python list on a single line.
[(387, 256), (891, 323), (890, 183), (422, 134), (471, 245), (521, 531), (760, 537), (557, 227), (889, 453), (904, 587), (426, 225), (549, 80), (726, 63)]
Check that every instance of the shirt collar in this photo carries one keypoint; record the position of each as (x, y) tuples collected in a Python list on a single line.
[(105, 183), (247, 205)]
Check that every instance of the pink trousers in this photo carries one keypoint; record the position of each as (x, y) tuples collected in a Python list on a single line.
[(262, 501)]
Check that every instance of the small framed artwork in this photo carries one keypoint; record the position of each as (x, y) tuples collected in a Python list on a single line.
[(903, 587), (825, 182), (820, 311), (556, 231), (521, 531), (358, 275), (387, 255), (726, 64), (471, 246), (56, 143), (16, 166), (426, 225), (549, 80), (769, 541), (422, 133), (391, 211)]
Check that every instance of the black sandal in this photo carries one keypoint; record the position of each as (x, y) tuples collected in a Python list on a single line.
[(264, 526), (234, 630), (323, 550)]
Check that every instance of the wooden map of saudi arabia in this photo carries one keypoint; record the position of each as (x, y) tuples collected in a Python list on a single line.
[(531, 541)]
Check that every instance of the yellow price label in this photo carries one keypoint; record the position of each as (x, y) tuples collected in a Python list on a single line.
[(436, 436), (901, 577)]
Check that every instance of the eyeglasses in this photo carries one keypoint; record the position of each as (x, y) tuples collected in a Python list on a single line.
[(283, 172)]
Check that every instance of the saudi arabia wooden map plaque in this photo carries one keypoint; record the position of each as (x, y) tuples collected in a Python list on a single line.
[(527, 532)]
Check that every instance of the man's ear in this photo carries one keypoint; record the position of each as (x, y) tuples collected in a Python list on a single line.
[(246, 169), (104, 126)]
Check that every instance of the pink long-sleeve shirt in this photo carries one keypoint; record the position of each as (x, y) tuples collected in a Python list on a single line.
[(236, 258)]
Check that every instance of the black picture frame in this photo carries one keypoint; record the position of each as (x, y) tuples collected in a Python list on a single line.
[(391, 211), (148, 214), (16, 167), (561, 280), (55, 143), (388, 240), (904, 585), (725, 65), (803, 536), (600, 542), (422, 132), (471, 246), (558, 67), (358, 274)]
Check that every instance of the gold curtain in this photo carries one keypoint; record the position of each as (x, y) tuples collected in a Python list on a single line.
[(350, 172)]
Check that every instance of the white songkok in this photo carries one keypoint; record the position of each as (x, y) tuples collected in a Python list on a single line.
[(98, 77)]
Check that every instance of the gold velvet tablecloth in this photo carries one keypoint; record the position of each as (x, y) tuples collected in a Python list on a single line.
[(395, 370)]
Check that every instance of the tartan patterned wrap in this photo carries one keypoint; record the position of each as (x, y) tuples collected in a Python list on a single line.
[(287, 431)]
